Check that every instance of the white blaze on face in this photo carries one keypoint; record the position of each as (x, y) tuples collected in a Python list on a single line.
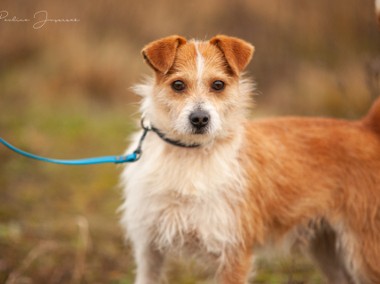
[(182, 124), (200, 63)]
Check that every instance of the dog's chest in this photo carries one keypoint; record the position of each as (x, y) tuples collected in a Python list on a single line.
[(187, 222), (183, 202)]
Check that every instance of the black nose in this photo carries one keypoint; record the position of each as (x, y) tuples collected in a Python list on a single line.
[(199, 118)]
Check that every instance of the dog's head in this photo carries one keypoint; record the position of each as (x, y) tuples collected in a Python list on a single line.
[(197, 94)]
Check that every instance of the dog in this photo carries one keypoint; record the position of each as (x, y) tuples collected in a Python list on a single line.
[(213, 185)]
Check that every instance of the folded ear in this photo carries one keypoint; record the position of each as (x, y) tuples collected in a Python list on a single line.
[(237, 52), (160, 54)]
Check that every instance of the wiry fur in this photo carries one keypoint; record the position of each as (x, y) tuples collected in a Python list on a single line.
[(308, 182)]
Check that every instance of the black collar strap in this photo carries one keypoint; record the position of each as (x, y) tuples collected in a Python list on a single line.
[(166, 139), (173, 142)]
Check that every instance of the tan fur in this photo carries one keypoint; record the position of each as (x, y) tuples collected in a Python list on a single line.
[(309, 181)]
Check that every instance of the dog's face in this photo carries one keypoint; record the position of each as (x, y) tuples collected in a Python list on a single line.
[(197, 94)]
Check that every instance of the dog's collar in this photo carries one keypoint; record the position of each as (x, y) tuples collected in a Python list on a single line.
[(166, 139)]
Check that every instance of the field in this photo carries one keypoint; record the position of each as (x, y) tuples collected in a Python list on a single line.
[(65, 92)]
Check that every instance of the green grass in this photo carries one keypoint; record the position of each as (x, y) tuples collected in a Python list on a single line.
[(40, 238)]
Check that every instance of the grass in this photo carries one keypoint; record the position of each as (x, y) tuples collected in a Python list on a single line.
[(56, 218)]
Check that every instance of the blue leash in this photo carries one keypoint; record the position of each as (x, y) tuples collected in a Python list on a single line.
[(133, 157)]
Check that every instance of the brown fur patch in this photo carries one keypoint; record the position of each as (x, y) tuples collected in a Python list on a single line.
[(160, 54), (238, 53)]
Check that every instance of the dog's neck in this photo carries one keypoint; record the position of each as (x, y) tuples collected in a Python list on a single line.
[(171, 141)]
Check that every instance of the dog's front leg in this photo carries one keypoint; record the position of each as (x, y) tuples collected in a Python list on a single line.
[(149, 264), (236, 268)]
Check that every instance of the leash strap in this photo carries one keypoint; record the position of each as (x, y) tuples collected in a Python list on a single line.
[(78, 162), (135, 156)]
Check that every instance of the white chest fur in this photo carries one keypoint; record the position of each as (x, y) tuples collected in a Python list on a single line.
[(178, 197)]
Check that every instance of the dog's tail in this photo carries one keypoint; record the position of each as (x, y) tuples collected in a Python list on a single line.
[(372, 119)]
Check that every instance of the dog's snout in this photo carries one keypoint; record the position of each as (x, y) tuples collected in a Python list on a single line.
[(199, 118)]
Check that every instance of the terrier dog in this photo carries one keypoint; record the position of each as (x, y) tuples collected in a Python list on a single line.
[(214, 185)]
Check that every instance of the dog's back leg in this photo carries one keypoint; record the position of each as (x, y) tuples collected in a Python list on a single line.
[(369, 255), (326, 252)]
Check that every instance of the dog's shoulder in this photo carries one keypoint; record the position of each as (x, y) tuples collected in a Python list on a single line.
[(372, 119)]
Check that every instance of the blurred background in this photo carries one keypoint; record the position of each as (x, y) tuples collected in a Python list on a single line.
[(65, 92)]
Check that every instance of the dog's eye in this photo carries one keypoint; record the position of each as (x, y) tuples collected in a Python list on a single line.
[(217, 85), (178, 85)]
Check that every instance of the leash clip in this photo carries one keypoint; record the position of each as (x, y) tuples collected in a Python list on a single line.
[(142, 123), (138, 151)]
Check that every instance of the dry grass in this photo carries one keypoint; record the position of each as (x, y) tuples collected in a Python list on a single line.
[(64, 92)]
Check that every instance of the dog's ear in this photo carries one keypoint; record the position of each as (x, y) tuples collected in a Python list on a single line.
[(237, 52), (160, 54)]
